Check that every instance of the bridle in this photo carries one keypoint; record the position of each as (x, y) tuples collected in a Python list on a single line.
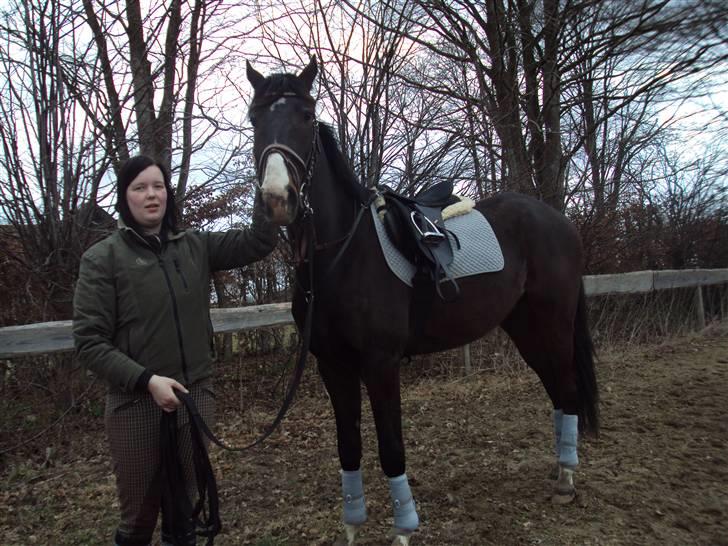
[(300, 171)]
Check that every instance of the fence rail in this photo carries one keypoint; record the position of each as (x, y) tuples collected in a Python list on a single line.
[(53, 337), (647, 281)]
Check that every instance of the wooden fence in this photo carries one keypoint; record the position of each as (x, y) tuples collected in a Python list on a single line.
[(53, 337)]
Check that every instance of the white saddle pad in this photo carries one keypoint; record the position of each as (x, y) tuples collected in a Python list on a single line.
[(479, 249)]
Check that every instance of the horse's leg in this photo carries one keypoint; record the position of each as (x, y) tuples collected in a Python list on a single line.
[(543, 334), (342, 384), (381, 377)]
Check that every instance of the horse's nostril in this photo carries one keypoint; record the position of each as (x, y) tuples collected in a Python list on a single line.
[(267, 210), (276, 208), (292, 200), (273, 200)]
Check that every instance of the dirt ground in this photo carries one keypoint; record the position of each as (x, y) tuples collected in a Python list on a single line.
[(479, 453)]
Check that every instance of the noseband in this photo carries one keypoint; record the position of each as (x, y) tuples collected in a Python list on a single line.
[(300, 171)]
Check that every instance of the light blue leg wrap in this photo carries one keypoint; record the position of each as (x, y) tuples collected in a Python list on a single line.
[(405, 513), (352, 490), (558, 416), (568, 442)]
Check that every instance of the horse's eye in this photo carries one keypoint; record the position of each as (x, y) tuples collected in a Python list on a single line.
[(252, 121), (308, 117)]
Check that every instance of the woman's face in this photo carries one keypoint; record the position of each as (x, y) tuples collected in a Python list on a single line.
[(147, 199)]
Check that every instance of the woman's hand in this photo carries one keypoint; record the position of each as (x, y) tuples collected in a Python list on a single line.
[(162, 390)]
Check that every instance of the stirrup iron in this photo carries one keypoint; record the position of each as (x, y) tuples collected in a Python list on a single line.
[(431, 235)]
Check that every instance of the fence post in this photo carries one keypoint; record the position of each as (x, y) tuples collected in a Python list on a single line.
[(466, 358), (699, 307)]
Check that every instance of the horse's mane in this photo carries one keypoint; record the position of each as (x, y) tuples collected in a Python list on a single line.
[(340, 165)]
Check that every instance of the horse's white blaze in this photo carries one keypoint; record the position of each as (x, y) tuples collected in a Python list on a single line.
[(279, 102), (275, 178)]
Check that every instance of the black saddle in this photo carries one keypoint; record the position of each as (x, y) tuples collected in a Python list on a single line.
[(416, 227), (437, 196)]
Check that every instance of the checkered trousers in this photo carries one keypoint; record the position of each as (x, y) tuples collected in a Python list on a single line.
[(132, 427)]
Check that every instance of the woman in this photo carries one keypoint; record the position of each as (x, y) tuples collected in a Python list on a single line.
[(142, 323)]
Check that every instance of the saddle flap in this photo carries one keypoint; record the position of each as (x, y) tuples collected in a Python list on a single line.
[(419, 233), (475, 247)]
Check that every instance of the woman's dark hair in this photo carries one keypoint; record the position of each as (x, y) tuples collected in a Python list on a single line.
[(128, 172)]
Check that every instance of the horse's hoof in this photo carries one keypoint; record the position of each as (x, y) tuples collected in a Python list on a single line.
[(564, 490), (401, 540), (401, 536), (349, 536), (343, 541), (562, 498), (554, 473)]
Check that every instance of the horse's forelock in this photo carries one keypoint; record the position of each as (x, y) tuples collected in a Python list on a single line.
[(276, 86)]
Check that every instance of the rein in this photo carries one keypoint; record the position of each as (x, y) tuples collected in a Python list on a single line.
[(297, 375), (287, 153), (204, 514), (347, 238), (309, 231), (203, 518), (181, 518), (292, 158)]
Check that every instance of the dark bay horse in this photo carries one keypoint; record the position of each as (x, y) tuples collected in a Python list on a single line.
[(362, 313)]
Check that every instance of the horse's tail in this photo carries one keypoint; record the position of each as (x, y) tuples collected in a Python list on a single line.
[(586, 380)]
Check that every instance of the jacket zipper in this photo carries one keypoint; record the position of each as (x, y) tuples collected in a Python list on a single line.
[(179, 272), (177, 323), (175, 310)]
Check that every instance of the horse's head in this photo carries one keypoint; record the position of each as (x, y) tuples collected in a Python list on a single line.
[(283, 117)]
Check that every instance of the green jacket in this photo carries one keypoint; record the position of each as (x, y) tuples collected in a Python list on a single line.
[(138, 308)]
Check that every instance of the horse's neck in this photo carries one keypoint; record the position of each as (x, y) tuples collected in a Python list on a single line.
[(334, 208)]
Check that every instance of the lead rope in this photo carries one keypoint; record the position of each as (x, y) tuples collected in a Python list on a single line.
[(298, 374), (181, 521), (181, 518)]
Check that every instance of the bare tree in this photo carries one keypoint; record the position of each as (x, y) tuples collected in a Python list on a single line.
[(84, 85), (391, 132), (693, 196), (50, 168), (49, 165), (535, 64)]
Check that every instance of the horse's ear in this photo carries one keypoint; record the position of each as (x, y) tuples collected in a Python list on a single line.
[(308, 74), (254, 77)]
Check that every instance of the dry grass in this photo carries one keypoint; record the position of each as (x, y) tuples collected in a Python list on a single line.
[(71, 450)]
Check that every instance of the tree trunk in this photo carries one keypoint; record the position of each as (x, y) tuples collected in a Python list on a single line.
[(552, 182), (225, 351)]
